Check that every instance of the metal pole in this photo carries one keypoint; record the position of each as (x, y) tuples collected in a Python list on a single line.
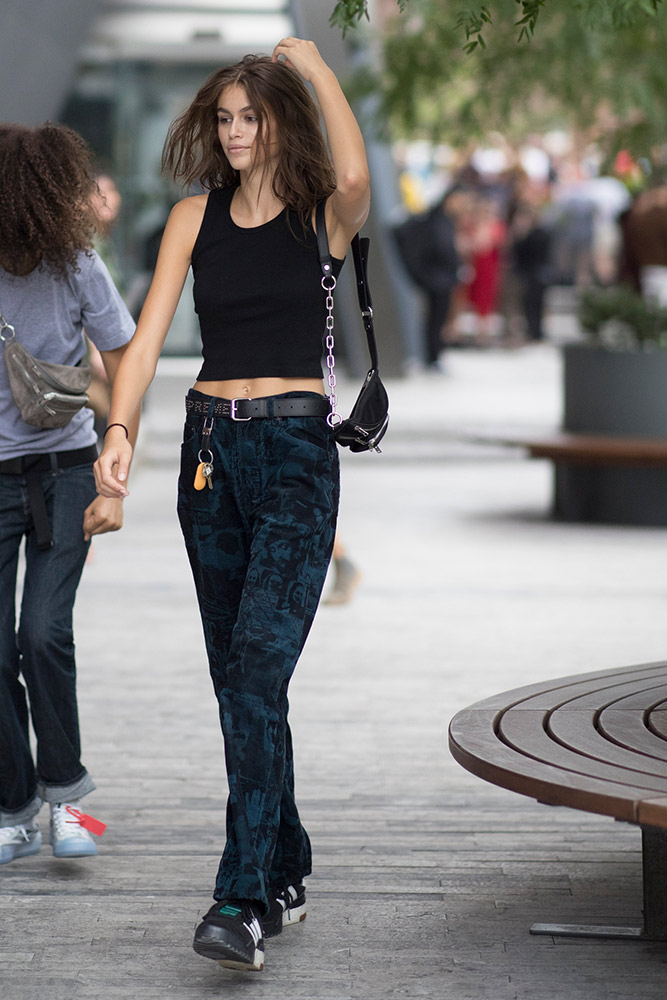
[(394, 315)]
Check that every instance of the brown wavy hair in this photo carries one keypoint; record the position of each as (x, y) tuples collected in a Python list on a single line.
[(46, 180), (304, 173)]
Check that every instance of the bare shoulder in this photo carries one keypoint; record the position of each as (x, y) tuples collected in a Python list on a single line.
[(189, 211), (185, 221)]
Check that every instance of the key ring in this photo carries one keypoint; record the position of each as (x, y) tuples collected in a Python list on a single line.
[(4, 325)]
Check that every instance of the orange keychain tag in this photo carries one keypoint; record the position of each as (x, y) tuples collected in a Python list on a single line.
[(200, 478), (88, 822)]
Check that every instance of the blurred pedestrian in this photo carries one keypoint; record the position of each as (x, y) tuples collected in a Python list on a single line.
[(258, 490), (531, 249), (51, 285), (346, 575), (645, 239), (429, 248), (106, 201), (486, 247)]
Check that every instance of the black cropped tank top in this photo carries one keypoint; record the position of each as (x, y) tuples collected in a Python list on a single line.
[(258, 296)]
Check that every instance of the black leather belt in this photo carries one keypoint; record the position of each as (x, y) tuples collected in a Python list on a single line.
[(265, 407), (47, 461), (32, 467)]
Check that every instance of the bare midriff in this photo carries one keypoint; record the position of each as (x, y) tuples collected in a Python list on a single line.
[(254, 388)]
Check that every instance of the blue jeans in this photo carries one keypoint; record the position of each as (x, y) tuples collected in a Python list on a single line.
[(41, 650), (259, 544)]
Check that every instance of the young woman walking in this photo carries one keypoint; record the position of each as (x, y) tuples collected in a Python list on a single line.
[(52, 286), (258, 488)]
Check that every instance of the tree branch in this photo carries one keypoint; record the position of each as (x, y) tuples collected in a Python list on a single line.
[(472, 18)]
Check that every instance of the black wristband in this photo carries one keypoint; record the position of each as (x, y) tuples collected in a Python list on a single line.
[(109, 426)]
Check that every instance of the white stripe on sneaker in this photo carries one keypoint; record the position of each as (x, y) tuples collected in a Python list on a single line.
[(254, 928)]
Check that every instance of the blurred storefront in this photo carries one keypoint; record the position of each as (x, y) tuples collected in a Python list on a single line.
[(119, 71), (140, 65)]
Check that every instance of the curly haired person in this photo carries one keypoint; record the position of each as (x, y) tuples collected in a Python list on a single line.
[(52, 286)]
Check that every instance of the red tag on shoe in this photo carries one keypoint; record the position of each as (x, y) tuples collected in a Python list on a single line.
[(88, 822)]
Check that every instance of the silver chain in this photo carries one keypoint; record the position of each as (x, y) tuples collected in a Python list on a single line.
[(328, 284)]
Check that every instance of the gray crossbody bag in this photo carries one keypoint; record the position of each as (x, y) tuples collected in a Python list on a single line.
[(47, 395)]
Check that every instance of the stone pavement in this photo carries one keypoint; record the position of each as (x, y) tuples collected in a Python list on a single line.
[(426, 878)]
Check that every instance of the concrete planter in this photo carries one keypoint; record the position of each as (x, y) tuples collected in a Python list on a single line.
[(615, 392), (620, 393)]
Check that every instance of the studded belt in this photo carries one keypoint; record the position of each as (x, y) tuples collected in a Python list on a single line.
[(243, 408)]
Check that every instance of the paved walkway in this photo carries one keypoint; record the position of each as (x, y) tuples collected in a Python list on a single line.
[(426, 878)]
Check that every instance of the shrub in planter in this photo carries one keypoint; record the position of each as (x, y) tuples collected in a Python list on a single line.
[(615, 384), (620, 317)]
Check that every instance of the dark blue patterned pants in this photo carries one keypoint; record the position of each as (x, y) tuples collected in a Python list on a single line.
[(259, 545)]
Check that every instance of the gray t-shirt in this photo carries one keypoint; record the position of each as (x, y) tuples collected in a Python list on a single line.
[(49, 314)]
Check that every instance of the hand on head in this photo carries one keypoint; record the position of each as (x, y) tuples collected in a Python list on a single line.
[(300, 55)]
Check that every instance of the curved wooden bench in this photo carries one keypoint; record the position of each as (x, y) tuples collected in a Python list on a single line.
[(596, 742), (579, 448), (600, 478), (590, 449)]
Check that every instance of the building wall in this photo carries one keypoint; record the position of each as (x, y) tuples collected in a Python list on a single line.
[(39, 46)]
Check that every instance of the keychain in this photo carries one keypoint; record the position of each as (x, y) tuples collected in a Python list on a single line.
[(204, 475)]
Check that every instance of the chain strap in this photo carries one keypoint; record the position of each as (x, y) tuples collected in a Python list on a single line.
[(328, 284)]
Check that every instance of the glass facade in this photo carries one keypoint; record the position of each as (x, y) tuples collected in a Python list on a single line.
[(141, 65)]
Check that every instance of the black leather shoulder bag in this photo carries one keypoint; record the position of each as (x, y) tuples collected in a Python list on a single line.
[(367, 424)]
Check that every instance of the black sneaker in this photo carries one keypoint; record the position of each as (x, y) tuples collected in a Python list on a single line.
[(231, 934), (286, 906)]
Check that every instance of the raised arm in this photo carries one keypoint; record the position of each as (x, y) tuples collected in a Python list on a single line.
[(348, 206), (137, 366)]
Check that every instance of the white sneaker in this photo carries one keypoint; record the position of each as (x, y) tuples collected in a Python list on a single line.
[(68, 837), (19, 841)]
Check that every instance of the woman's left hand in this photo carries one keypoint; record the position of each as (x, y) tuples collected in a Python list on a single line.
[(301, 55), (102, 515)]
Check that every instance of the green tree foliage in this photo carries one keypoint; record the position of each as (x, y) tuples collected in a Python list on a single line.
[(471, 18), (595, 65)]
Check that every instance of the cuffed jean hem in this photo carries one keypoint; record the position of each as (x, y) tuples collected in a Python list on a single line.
[(22, 816), (66, 793)]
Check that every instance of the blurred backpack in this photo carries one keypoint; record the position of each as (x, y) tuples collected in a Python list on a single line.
[(412, 237)]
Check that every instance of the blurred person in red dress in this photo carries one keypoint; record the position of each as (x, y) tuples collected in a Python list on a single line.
[(487, 242)]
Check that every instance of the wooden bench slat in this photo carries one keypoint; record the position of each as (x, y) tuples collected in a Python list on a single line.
[(658, 722), (474, 744), (619, 732), (599, 694), (525, 733), (551, 694), (587, 449), (566, 727), (633, 692), (590, 449), (630, 729)]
